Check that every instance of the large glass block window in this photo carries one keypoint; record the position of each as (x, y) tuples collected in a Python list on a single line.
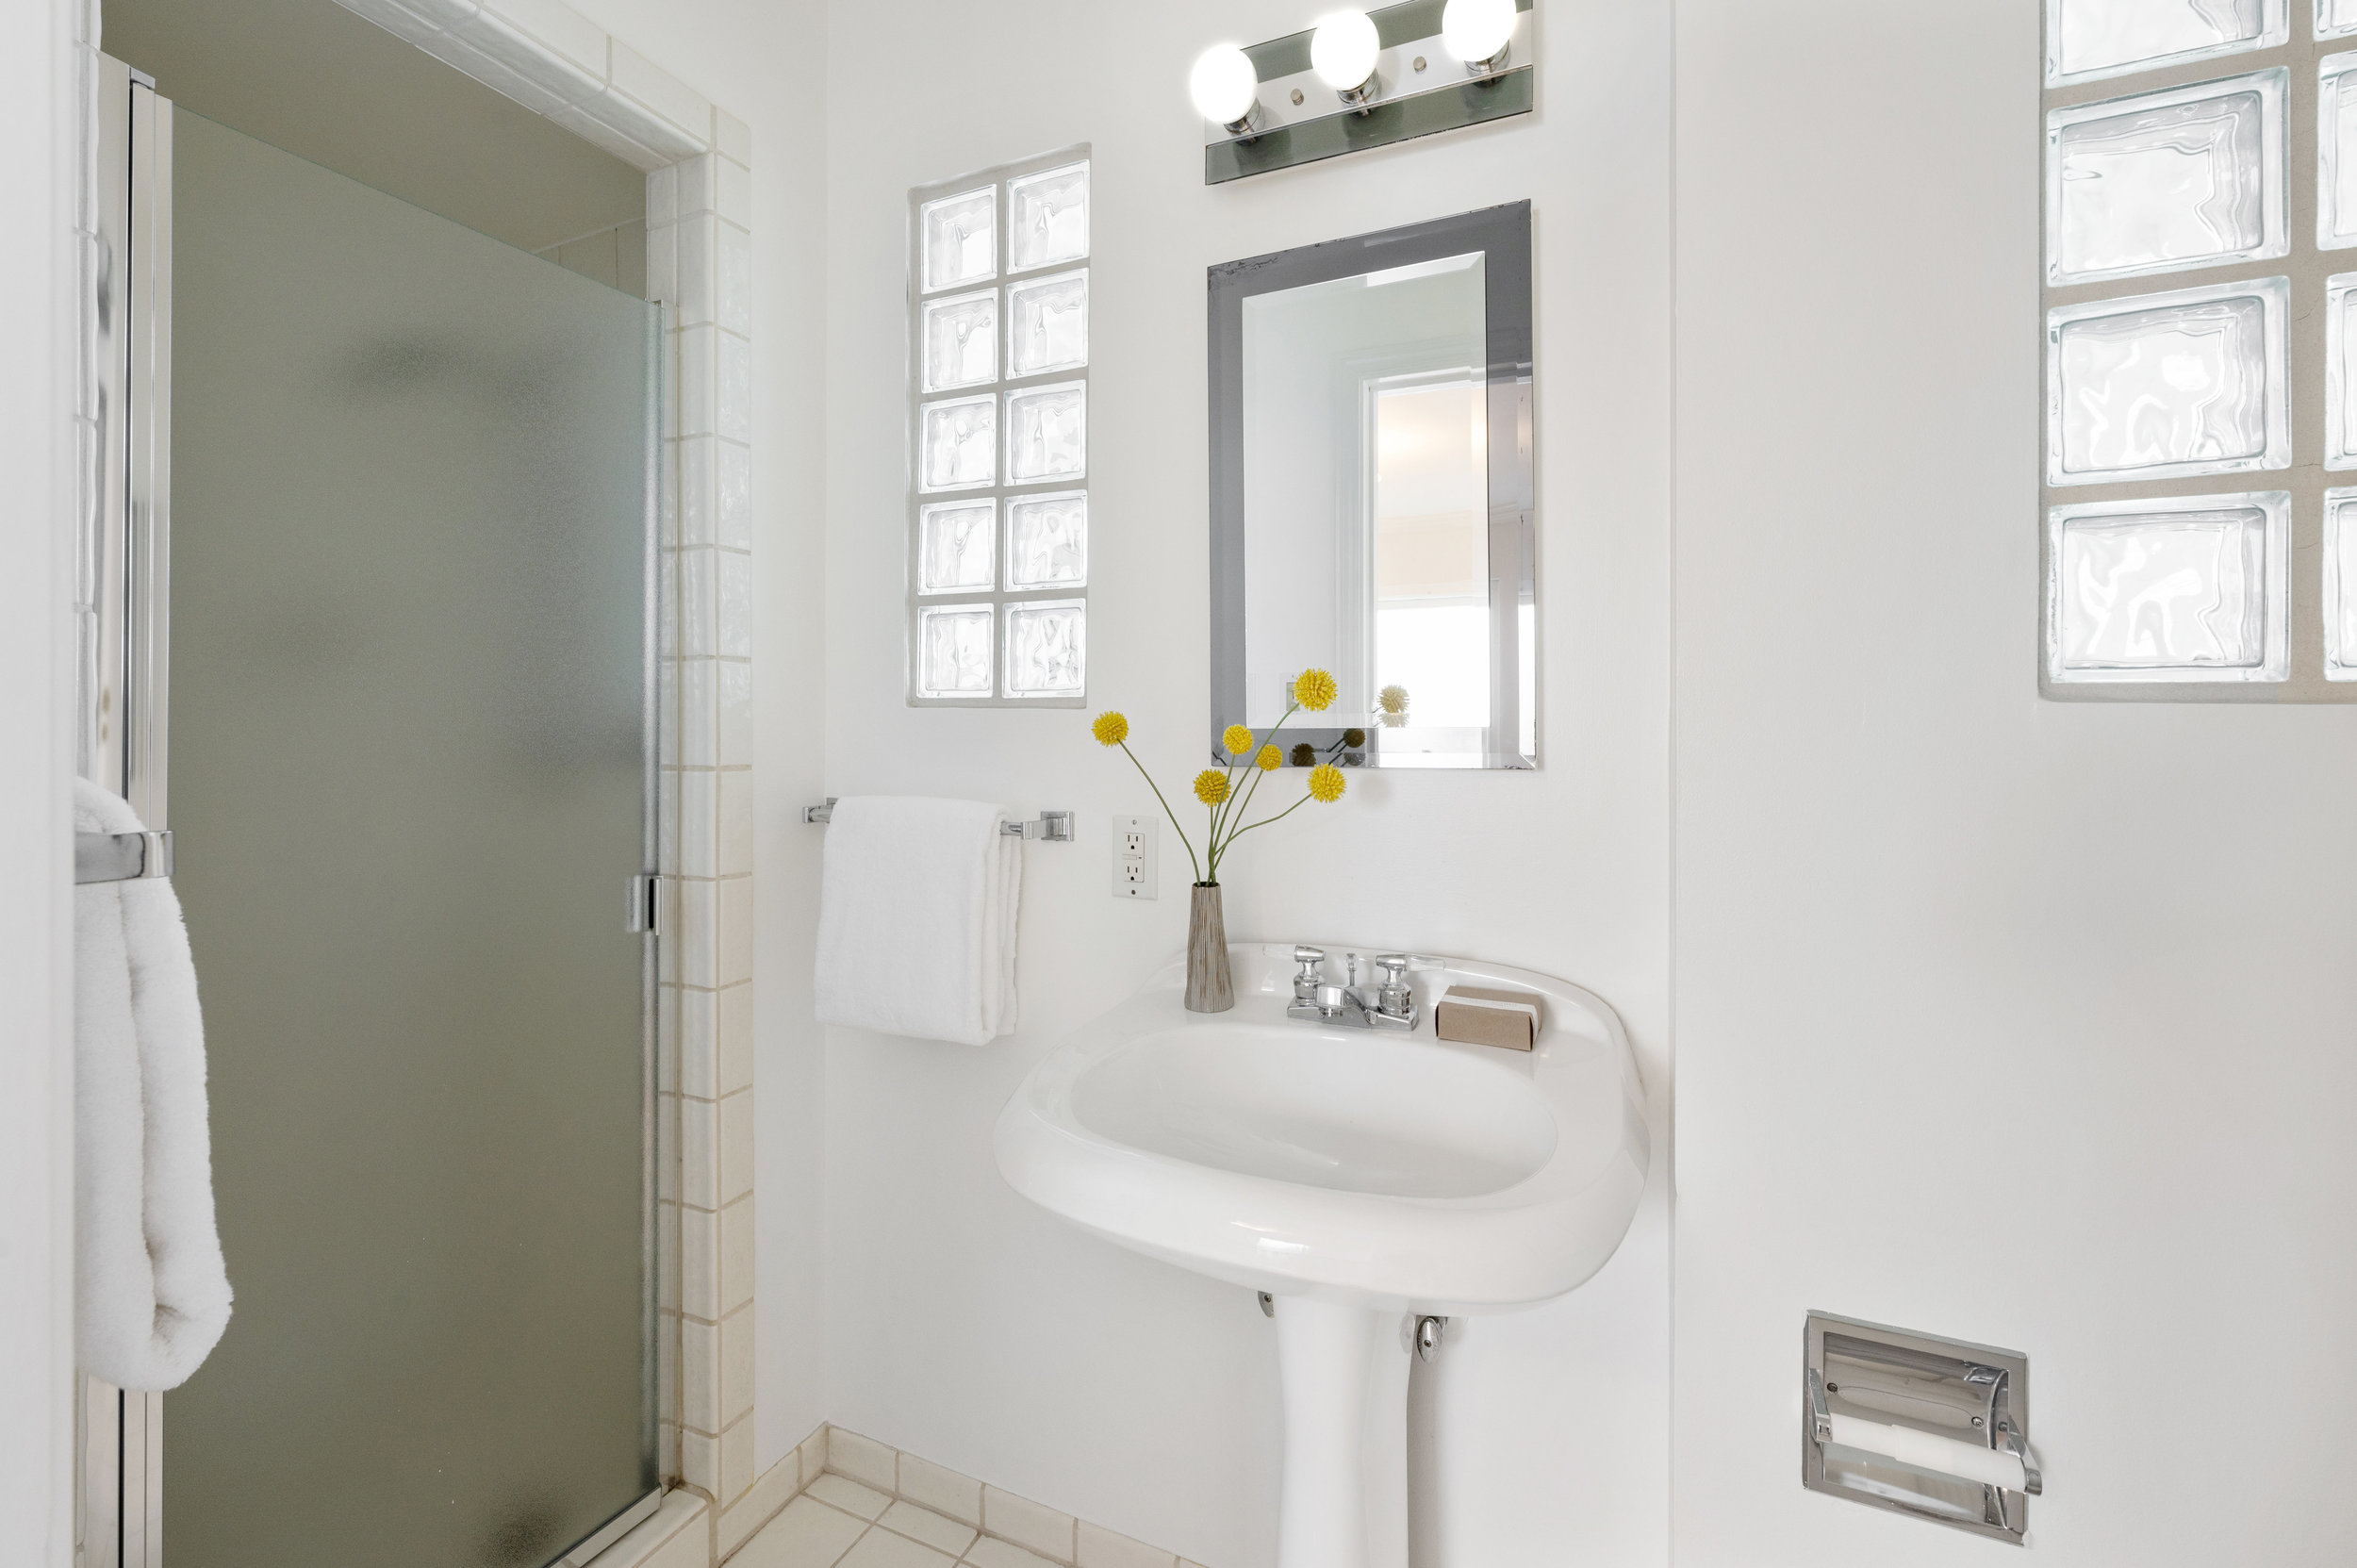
[(2200, 353), (999, 504)]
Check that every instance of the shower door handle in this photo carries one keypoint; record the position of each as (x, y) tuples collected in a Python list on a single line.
[(645, 914)]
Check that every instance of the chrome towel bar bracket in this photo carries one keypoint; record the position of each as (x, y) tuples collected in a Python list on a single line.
[(1054, 826), (120, 856)]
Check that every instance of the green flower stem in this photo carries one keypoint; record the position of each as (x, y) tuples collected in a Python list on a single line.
[(1240, 805), (1266, 820), (1192, 863)]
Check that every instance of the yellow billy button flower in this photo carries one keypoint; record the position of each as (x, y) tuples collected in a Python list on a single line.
[(1392, 699), (1315, 690), (1327, 783), (1237, 739), (1111, 729), (1270, 759), (1210, 786)]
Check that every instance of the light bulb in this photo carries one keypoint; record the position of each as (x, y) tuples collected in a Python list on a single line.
[(1478, 32), (1225, 87), (1342, 53)]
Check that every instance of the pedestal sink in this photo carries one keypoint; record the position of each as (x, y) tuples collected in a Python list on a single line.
[(1362, 1178)]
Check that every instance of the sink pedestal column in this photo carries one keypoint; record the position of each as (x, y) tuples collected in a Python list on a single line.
[(1344, 1371)]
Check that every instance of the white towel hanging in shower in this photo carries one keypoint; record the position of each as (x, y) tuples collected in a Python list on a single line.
[(154, 1294)]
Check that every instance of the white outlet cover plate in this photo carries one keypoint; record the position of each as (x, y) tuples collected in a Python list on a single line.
[(1134, 856)]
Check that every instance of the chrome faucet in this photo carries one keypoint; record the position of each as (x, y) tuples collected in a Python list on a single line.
[(1318, 1001)]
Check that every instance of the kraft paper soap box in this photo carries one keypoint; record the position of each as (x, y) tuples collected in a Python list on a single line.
[(1479, 1017)]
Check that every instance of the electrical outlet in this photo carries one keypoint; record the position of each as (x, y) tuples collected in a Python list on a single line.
[(1134, 857)]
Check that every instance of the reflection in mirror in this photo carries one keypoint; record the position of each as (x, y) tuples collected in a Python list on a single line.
[(1371, 492)]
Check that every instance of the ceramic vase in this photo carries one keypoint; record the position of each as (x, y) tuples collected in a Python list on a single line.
[(1208, 987)]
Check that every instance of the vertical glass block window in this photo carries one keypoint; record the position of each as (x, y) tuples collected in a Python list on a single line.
[(999, 384), (2335, 18), (2340, 585), (2163, 386), (2194, 177), (2087, 40), (2186, 589)]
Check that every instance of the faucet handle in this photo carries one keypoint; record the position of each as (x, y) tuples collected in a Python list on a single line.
[(1306, 980), (1393, 965)]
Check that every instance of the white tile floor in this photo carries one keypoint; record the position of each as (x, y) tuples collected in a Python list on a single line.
[(840, 1524)]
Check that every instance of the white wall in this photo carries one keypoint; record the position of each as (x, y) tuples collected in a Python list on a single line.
[(2023, 1022), (964, 1325), (36, 454)]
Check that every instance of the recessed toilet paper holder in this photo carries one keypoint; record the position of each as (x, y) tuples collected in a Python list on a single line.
[(1920, 1425)]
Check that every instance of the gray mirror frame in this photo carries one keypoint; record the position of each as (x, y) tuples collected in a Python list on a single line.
[(1503, 235)]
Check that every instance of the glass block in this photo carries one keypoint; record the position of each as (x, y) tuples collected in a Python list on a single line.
[(2335, 18), (1048, 432), (2160, 386), (1047, 218), (956, 546), (1047, 648), (2091, 39), (1047, 324), (960, 443), (2340, 585), (961, 340), (961, 238), (2185, 589), (2340, 371), (954, 651), (2336, 151), (1047, 540), (2189, 177)]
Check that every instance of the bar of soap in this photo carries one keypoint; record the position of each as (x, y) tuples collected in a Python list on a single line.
[(1480, 1016)]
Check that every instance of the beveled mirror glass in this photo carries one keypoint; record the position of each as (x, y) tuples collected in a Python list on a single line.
[(1372, 496)]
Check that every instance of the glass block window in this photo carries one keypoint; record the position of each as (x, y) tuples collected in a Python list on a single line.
[(2200, 359), (998, 380)]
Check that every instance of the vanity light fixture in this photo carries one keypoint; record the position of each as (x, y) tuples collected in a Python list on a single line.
[(1343, 52), (1226, 89), (1480, 33), (1274, 105)]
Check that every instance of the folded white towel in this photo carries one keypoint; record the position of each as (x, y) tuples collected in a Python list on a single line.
[(153, 1296), (916, 918)]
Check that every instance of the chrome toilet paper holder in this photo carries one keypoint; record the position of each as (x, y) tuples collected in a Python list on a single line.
[(1934, 1428)]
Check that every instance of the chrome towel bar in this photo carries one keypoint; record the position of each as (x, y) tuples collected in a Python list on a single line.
[(120, 856), (1054, 826)]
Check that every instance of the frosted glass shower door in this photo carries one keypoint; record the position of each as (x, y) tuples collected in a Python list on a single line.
[(409, 720)]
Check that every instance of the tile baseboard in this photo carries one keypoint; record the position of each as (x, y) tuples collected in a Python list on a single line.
[(1016, 1532)]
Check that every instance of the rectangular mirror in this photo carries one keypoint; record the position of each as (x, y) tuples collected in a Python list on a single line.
[(1370, 493)]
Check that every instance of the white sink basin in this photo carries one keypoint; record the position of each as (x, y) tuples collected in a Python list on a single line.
[(1378, 1169), (1364, 1178)]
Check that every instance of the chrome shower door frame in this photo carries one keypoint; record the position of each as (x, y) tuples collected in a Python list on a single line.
[(122, 730)]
